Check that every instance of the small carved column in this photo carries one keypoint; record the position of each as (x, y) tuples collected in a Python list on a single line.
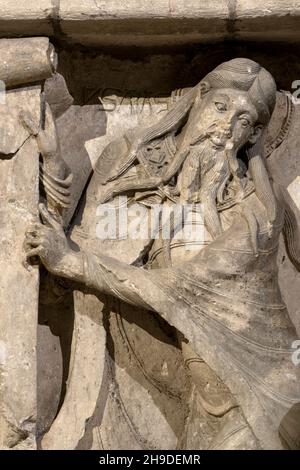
[(21, 61)]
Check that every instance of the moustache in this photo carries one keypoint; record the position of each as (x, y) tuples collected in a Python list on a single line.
[(204, 135), (229, 150), (199, 139)]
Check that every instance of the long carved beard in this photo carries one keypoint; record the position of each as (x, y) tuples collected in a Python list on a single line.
[(203, 178), (205, 173)]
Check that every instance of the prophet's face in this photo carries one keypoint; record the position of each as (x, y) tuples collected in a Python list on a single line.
[(227, 118)]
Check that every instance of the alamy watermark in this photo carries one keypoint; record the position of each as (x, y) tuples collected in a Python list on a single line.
[(296, 353), (296, 93), (136, 221)]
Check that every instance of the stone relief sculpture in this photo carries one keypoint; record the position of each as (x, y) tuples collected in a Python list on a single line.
[(223, 298), (180, 337)]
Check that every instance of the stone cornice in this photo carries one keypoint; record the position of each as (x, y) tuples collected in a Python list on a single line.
[(151, 22)]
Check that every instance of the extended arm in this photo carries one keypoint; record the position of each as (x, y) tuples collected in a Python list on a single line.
[(108, 275), (98, 272)]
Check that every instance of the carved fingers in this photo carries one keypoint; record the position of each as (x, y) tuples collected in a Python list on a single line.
[(36, 242), (47, 241), (34, 233), (47, 139)]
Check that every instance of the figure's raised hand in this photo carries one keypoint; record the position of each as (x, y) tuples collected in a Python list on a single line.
[(47, 139), (48, 242)]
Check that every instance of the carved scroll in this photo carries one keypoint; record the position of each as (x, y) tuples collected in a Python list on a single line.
[(25, 60)]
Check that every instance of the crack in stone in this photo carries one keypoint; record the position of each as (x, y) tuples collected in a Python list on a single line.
[(9, 156)]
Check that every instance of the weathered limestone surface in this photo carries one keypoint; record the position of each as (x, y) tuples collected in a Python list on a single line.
[(25, 61), (114, 95), (160, 22), (19, 285), (287, 170), (122, 366), (26, 17), (85, 377), (143, 22), (270, 20), (117, 95)]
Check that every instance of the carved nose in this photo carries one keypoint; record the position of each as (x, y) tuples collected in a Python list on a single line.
[(226, 128), (224, 132)]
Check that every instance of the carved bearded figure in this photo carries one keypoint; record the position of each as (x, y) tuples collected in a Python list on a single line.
[(221, 294)]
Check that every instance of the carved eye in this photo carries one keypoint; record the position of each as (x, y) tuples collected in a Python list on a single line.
[(245, 122), (220, 106)]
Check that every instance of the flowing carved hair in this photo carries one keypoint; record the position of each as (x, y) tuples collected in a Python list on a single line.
[(247, 75), (239, 74)]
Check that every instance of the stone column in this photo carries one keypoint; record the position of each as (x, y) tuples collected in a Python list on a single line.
[(22, 61)]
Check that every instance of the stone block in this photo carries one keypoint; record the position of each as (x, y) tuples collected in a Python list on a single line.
[(26, 17)]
